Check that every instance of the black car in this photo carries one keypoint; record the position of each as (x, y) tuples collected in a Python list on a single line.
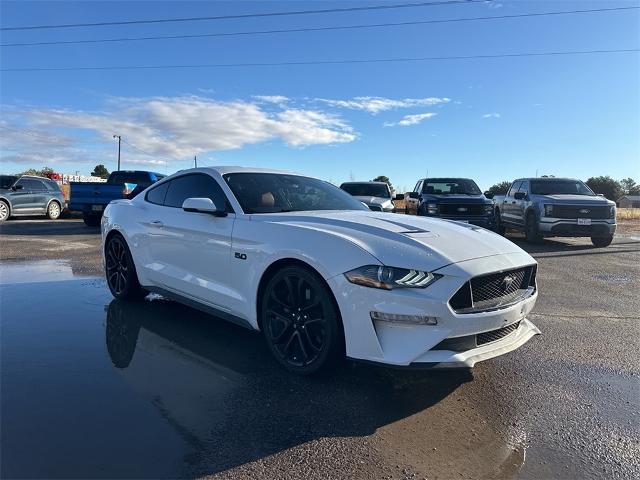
[(453, 199), (26, 195)]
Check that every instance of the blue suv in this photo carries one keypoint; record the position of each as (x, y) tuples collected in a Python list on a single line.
[(27, 195)]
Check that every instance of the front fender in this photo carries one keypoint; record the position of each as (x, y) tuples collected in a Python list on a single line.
[(328, 254)]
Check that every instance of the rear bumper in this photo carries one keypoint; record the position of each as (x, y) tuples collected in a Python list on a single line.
[(570, 228)]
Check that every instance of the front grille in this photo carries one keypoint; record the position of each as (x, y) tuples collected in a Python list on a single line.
[(493, 291), (468, 342), (461, 210), (494, 335), (578, 211)]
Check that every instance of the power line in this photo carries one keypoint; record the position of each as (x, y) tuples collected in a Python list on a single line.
[(318, 29), (143, 151), (321, 62), (246, 15)]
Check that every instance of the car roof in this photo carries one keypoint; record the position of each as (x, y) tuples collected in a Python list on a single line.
[(432, 179), (363, 183), (223, 170), (551, 179)]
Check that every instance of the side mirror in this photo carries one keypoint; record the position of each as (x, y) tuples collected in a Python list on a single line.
[(202, 205), (414, 195), (399, 196), (17, 187), (488, 194), (600, 194), (519, 195)]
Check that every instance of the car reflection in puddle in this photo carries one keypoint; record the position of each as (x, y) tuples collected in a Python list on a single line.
[(175, 392)]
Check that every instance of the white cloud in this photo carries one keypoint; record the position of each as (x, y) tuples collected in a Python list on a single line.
[(408, 120), (491, 115), (277, 99), (375, 105), (165, 127)]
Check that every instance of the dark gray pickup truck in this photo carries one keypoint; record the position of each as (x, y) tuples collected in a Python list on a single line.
[(555, 207)]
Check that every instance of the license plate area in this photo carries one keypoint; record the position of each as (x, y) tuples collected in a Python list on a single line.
[(584, 221)]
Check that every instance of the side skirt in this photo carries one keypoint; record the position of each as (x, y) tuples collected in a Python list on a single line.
[(201, 306)]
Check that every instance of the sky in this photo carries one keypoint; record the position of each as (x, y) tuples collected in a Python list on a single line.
[(490, 119)]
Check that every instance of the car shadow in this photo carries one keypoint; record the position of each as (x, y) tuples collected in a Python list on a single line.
[(235, 403), (26, 226)]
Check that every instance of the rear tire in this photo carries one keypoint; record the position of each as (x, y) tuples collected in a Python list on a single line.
[(91, 220), (5, 211), (54, 210), (301, 322), (531, 231), (601, 242), (120, 270)]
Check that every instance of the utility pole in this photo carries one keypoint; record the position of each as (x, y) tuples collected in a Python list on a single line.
[(195, 161), (119, 137)]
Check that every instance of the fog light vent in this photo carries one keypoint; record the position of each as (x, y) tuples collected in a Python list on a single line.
[(407, 319)]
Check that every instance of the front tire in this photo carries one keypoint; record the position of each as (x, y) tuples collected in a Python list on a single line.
[(601, 242), (5, 211), (301, 322), (53, 211), (531, 231), (500, 228), (120, 270)]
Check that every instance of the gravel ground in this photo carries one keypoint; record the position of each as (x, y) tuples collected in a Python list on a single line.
[(213, 404)]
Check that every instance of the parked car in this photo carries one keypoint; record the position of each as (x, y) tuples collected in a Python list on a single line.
[(556, 207), (318, 273), (91, 198), (28, 195), (375, 195), (457, 199)]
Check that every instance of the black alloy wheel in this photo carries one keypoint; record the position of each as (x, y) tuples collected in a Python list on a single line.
[(122, 278), (301, 323)]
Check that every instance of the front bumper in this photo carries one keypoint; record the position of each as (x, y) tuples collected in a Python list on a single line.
[(569, 227), (403, 345), (484, 222)]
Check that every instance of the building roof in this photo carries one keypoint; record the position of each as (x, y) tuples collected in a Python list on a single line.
[(633, 198)]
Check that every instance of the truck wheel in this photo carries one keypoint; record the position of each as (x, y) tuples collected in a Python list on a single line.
[(54, 211), (531, 231), (5, 211), (600, 242), (91, 220), (500, 228)]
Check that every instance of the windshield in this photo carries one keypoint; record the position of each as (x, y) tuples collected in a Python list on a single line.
[(7, 180), (367, 189), (274, 192), (559, 187), (450, 186)]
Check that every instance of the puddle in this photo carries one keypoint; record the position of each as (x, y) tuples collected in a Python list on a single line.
[(614, 278), (36, 271)]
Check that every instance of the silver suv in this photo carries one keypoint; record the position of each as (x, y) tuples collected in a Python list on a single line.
[(556, 207), (28, 195)]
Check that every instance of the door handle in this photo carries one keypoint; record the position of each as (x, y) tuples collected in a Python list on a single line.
[(157, 223)]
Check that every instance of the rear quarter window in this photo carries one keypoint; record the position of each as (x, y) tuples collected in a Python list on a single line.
[(156, 195)]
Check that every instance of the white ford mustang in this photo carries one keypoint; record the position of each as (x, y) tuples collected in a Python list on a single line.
[(320, 274)]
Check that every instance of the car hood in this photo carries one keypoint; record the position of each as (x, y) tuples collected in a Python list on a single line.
[(401, 240), (372, 200), (581, 199)]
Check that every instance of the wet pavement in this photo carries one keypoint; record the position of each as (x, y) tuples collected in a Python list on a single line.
[(93, 387)]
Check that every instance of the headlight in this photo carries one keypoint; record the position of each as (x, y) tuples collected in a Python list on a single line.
[(432, 208), (488, 209), (612, 211), (388, 278), (548, 210)]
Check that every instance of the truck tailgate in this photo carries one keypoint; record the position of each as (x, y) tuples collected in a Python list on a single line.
[(84, 196)]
